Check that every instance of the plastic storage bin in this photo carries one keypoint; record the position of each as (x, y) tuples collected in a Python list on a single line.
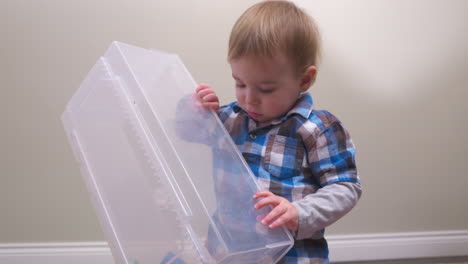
[(168, 183)]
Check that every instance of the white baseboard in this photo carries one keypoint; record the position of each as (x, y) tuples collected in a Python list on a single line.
[(366, 247), (56, 253), (343, 248)]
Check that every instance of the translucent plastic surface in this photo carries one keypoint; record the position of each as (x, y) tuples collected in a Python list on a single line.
[(168, 183)]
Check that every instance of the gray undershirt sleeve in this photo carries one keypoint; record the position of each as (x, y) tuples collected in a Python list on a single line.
[(323, 208)]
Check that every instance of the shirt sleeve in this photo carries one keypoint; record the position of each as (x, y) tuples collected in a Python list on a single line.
[(323, 208), (331, 158), (226, 112)]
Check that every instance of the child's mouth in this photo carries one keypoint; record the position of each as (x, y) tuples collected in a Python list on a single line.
[(254, 115)]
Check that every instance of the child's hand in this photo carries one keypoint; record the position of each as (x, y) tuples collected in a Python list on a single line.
[(283, 213), (207, 96)]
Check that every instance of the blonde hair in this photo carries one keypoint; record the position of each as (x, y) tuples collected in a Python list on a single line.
[(276, 26)]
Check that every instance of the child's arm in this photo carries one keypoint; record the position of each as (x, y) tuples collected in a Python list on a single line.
[(313, 212), (323, 208), (207, 96), (331, 157)]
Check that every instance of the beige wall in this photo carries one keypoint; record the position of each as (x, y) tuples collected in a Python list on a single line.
[(393, 71)]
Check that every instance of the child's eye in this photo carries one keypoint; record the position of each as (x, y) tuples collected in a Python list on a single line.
[(267, 91)]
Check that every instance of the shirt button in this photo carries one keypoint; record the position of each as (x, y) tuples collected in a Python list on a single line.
[(252, 136)]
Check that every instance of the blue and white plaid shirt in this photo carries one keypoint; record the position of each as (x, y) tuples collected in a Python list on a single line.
[(294, 157)]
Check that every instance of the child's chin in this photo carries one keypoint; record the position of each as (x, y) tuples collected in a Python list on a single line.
[(262, 120)]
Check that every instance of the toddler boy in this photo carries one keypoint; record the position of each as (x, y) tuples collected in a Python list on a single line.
[(304, 158)]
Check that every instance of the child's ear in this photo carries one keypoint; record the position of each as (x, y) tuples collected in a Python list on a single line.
[(308, 78)]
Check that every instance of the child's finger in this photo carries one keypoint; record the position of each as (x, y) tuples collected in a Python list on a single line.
[(260, 217), (270, 200), (274, 214), (283, 219), (210, 97), (201, 87), (204, 92), (262, 194), (262, 203), (211, 105)]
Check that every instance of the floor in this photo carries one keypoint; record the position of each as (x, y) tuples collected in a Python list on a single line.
[(454, 260)]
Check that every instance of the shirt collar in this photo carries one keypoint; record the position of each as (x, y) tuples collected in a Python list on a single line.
[(236, 108), (303, 106)]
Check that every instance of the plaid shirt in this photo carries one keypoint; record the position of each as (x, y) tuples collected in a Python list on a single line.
[(293, 157)]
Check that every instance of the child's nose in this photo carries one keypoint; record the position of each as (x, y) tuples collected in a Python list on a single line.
[(251, 97)]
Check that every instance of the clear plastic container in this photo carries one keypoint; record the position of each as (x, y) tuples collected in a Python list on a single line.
[(168, 183)]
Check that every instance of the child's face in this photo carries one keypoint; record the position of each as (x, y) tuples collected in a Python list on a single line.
[(267, 88)]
